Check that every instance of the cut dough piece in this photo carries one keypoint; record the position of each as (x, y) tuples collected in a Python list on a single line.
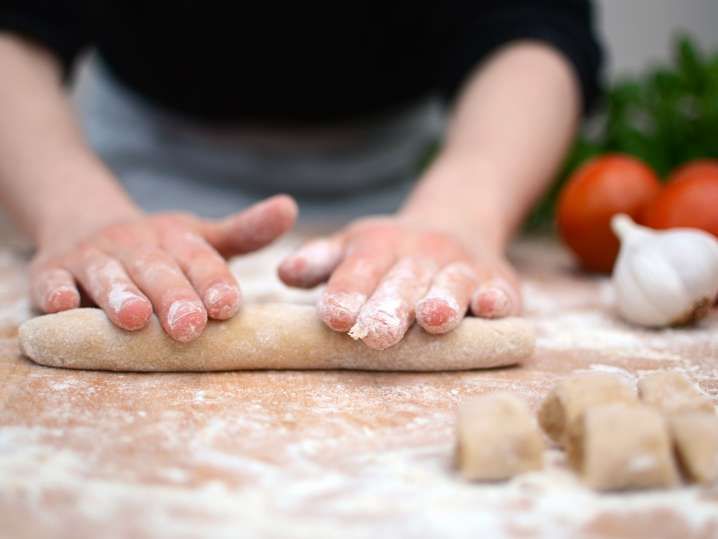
[(622, 446), (570, 397), (672, 392), (695, 437), (266, 336), (497, 438)]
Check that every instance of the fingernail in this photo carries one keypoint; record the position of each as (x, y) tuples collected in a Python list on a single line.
[(312, 263), (381, 324), (186, 320), (492, 301), (222, 300), (118, 296), (339, 310), (438, 314), (62, 297)]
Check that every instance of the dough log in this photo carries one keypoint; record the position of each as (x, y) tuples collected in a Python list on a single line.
[(622, 446), (673, 393), (571, 396), (266, 336), (497, 438)]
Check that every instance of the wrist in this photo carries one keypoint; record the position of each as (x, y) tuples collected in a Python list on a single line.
[(69, 223), (462, 196), (66, 230)]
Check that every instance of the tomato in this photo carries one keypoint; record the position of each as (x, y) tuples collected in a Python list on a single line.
[(599, 189), (689, 199)]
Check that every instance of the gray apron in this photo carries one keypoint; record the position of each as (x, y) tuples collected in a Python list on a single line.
[(168, 162)]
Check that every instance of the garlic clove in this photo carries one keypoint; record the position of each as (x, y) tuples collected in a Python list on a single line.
[(628, 231), (632, 305), (698, 277), (656, 279), (664, 277)]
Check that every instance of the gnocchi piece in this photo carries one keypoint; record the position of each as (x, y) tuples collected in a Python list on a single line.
[(622, 446), (695, 438), (672, 392), (572, 396), (497, 438)]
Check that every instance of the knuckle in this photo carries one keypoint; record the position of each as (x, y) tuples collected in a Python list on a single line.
[(196, 246), (149, 254), (439, 243), (85, 252), (372, 225), (114, 231), (119, 234), (173, 220), (49, 276), (208, 267), (151, 263), (461, 268), (96, 263), (40, 264)]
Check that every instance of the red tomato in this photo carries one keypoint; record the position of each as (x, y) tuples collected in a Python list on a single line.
[(599, 189), (689, 199)]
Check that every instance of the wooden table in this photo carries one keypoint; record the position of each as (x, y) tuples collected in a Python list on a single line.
[(322, 454)]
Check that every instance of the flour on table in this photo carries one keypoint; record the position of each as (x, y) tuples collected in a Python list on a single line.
[(304, 454)]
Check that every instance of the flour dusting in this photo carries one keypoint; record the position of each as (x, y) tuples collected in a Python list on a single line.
[(320, 454)]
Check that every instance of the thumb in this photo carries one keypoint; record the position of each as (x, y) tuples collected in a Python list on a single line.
[(252, 228)]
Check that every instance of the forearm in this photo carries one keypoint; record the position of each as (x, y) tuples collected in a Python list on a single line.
[(506, 137), (49, 178)]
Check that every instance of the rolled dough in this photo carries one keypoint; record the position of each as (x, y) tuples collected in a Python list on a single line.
[(266, 336)]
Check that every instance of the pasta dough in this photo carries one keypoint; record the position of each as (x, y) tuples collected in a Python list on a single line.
[(572, 396), (266, 336), (672, 392), (695, 437), (622, 446), (497, 438)]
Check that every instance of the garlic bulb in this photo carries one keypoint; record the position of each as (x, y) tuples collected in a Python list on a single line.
[(666, 277)]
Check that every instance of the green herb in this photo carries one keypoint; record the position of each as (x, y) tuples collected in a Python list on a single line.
[(665, 117)]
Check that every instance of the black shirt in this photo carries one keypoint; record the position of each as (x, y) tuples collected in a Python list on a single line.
[(299, 63)]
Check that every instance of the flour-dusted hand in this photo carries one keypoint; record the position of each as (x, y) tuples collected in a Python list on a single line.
[(443, 253), (170, 263), (90, 235), (384, 273)]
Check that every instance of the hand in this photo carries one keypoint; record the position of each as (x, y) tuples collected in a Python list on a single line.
[(172, 263), (383, 273)]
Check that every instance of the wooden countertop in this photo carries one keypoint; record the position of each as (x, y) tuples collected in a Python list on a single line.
[(322, 454)]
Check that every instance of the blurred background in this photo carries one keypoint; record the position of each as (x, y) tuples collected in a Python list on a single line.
[(661, 99), (638, 33)]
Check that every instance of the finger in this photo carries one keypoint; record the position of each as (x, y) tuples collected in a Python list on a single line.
[(108, 285), (445, 304), (53, 290), (386, 316), (496, 297), (312, 263), (253, 228), (206, 270), (353, 281), (178, 307)]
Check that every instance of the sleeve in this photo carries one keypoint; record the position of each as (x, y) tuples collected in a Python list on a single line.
[(54, 24), (478, 28)]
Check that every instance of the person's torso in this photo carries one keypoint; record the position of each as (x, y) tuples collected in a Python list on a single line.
[(291, 63)]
